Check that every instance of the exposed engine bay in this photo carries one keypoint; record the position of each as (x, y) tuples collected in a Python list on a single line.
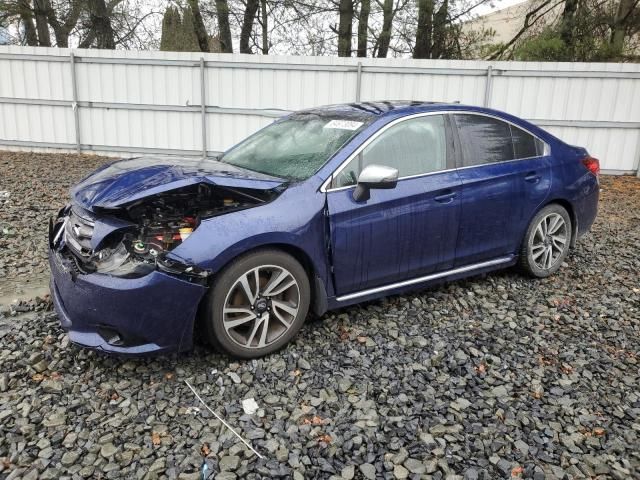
[(133, 240)]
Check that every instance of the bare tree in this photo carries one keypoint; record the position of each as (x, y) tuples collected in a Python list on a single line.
[(345, 28), (440, 20), (40, 8), (247, 25), (264, 23), (63, 23), (623, 18), (387, 24), (226, 45), (363, 27), (100, 31), (26, 18), (568, 22), (425, 29), (198, 23)]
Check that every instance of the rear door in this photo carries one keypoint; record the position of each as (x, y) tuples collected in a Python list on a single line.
[(403, 232), (506, 175)]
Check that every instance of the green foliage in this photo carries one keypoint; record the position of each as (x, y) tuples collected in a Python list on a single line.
[(548, 46), (545, 47), (178, 32), (189, 38)]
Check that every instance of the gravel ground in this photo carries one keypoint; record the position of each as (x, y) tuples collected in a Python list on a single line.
[(32, 188), (498, 376)]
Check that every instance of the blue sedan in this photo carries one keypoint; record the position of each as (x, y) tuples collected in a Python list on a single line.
[(324, 208)]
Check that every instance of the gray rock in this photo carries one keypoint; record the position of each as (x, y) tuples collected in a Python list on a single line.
[(282, 454), (108, 450), (368, 471), (87, 471), (52, 386), (31, 474), (471, 474), (414, 466), (400, 472), (303, 364), (344, 384), (40, 366), (348, 472), (522, 446), (189, 476), (69, 458), (430, 466), (55, 420), (226, 476), (229, 462), (499, 391)]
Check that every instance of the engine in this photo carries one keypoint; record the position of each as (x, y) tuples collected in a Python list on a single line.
[(155, 226)]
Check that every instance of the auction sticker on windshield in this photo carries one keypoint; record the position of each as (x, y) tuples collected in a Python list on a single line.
[(344, 124)]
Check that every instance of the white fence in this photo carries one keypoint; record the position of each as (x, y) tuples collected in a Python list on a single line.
[(127, 102)]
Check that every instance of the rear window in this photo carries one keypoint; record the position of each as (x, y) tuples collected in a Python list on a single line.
[(484, 139), (488, 140)]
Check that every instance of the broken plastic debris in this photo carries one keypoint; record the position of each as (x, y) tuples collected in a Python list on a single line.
[(250, 406)]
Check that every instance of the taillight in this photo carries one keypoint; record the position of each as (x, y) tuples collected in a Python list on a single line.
[(592, 164)]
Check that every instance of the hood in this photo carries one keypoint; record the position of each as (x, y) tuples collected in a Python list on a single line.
[(125, 181)]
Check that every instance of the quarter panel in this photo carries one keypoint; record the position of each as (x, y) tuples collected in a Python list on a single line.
[(575, 184)]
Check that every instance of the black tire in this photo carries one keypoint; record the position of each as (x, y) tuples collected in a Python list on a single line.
[(538, 264), (228, 287)]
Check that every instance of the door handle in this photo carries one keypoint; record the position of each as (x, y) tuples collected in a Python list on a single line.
[(532, 177), (446, 197)]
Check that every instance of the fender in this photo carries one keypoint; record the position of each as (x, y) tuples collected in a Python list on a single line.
[(219, 240)]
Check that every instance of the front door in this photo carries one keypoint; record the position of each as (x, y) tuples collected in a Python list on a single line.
[(404, 232)]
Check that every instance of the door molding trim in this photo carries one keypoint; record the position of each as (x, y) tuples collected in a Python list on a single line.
[(426, 278)]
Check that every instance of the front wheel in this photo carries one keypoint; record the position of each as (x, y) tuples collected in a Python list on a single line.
[(546, 243), (257, 304)]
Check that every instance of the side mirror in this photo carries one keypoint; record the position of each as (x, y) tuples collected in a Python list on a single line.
[(374, 176)]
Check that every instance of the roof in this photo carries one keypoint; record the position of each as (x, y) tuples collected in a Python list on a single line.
[(368, 110)]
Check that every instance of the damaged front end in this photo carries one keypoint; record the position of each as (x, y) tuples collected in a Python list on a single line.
[(135, 238)]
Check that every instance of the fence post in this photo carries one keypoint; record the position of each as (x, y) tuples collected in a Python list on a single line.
[(74, 104), (638, 157), (203, 108), (359, 81), (488, 86)]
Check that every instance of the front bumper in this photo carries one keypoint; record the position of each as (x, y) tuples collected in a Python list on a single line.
[(151, 314)]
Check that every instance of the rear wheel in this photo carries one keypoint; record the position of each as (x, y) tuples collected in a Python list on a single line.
[(546, 243), (257, 304)]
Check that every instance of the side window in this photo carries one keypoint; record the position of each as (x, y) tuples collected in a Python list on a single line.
[(414, 147), (484, 139), (525, 145)]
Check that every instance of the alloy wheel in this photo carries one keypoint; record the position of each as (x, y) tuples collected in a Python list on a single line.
[(549, 241), (261, 306)]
